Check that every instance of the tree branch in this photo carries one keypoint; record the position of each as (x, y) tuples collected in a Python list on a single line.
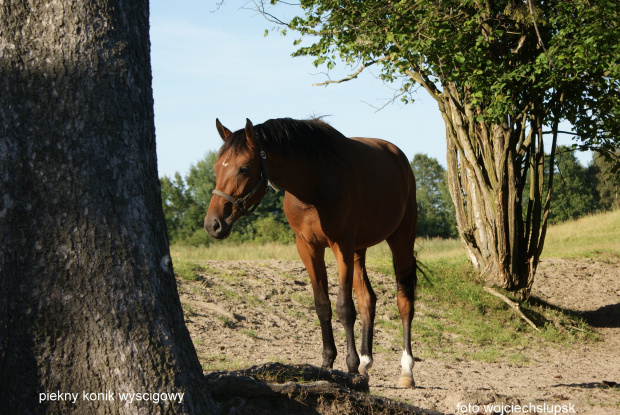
[(540, 42), (560, 132), (429, 86), (513, 305), (353, 75), (260, 8)]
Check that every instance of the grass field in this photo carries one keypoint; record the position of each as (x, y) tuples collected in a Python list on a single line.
[(426, 248), (453, 303), (590, 236)]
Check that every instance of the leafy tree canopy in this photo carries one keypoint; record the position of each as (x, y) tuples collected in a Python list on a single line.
[(506, 56)]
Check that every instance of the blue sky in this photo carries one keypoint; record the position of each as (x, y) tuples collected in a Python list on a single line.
[(213, 63)]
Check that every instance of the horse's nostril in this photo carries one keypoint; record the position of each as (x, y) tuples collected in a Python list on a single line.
[(217, 228)]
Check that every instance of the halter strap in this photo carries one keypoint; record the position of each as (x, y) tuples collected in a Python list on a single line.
[(264, 177), (240, 203)]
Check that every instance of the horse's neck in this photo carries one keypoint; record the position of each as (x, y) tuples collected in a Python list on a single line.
[(295, 175)]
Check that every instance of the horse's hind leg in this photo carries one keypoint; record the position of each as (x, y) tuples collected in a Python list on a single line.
[(401, 244), (313, 259), (366, 303)]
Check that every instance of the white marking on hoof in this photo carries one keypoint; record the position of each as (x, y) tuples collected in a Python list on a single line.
[(365, 364), (406, 374)]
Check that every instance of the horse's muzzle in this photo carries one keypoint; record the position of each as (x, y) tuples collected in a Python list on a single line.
[(217, 228)]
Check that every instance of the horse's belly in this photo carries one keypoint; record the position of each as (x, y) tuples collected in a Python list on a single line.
[(372, 231)]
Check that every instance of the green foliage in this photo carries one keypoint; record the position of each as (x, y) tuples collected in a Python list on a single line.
[(185, 202), (435, 208), (577, 190), (270, 229), (573, 191), (607, 189), (505, 56)]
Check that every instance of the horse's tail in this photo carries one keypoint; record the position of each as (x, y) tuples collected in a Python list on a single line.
[(420, 267)]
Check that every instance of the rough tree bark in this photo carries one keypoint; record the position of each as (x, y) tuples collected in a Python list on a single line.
[(488, 164), (88, 300)]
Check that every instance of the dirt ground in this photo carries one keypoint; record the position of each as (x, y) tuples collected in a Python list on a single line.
[(243, 313)]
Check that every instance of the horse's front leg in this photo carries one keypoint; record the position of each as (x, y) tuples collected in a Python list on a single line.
[(344, 306), (313, 259)]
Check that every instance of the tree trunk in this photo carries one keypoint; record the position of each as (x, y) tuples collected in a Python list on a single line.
[(88, 300), (488, 163)]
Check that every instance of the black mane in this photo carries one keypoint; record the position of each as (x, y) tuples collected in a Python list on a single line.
[(307, 138)]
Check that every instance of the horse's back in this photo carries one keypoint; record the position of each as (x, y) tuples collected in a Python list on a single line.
[(384, 187), (382, 163), (381, 154), (367, 193)]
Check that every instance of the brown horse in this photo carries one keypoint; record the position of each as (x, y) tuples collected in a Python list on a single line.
[(343, 193)]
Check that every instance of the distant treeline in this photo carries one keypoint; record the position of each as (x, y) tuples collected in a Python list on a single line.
[(577, 191)]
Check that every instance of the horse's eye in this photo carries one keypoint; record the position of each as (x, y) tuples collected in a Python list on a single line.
[(244, 171)]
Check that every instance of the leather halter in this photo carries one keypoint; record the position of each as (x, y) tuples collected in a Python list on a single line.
[(240, 203)]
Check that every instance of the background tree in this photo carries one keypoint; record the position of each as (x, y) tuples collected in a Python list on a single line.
[(575, 192), (185, 202), (435, 208), (504, 75), (577, 188), (176, 202), (88, 299), (606, 183)]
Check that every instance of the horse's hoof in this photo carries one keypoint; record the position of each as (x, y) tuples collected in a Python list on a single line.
[(365, 364), (406, 382), (364, 372), (328, 364)]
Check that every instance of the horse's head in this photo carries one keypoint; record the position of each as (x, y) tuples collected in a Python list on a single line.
[(239, 180)]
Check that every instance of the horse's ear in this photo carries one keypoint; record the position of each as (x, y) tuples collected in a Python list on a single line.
[(224, 132), (249, 134)]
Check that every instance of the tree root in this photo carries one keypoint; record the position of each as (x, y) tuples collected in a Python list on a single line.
[(513, 305), (314, 391)]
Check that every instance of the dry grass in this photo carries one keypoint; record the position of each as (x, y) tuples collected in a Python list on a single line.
[(593, 235), (230, 252)]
